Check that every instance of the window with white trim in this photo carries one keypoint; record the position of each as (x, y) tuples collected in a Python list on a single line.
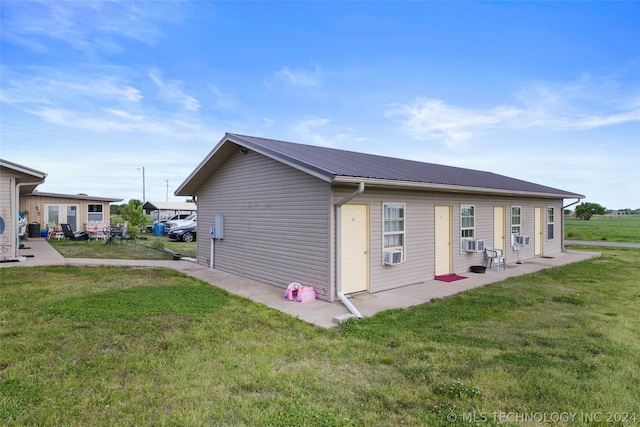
[(467, 221), (394, 228), (95, 212), (516, 220), (551, 222), (53, 215)]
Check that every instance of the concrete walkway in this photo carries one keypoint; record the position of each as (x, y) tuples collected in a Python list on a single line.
[(320, 313)]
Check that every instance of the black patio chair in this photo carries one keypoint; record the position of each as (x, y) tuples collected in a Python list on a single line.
[(71, 235), (117, 232)]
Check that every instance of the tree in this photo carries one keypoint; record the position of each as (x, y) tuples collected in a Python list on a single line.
[(585, 211), (133, 214)]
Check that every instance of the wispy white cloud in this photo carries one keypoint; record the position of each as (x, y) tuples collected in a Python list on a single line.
[(110, 120), (102, 103), (587, 103), (55, 87), (300, 78), (267, 122), (172, 90), (581, 105), (427, 119), (223, 100), (89, 26), (319, 131)]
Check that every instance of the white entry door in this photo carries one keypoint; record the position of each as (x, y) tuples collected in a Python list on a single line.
[(354, 248), (499, 227), (443, 240), (537, 232), (57, 214)]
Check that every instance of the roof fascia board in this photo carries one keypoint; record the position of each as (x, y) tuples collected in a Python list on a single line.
[(200, 166), (282, 158), (23, 169), (184, 188), (186, 206), (449, 188), (72, 196)]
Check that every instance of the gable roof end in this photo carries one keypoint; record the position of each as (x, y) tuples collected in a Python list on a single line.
[(341, 166)]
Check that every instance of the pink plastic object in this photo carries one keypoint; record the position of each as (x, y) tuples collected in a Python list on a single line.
[(306, 294), (291, 294)]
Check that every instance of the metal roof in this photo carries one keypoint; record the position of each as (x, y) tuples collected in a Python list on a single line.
[(341, 166), (74, 196), (25, 176), (170, 206), (22, 169)]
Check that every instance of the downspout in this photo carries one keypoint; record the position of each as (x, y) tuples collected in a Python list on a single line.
[(563, 208), (16, 216), (352, 309)]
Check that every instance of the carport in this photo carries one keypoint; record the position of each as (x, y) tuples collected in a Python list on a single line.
[(174, 208)]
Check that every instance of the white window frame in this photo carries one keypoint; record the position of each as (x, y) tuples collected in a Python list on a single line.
[(516, 228), (53, 214), (62, 214), (551, 222), (89, 213), (394, 229), (467, 232)]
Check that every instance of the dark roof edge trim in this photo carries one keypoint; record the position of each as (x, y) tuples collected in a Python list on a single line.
[(73, 196), (283, 158), (452, 188), (199, 167), (23, 169), (238, 140)]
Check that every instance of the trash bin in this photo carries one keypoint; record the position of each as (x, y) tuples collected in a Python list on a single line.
[(34, 229), (44, 233), (158, 229)]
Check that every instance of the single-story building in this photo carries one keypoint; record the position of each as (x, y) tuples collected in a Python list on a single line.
[(347, 222), (18, 195), (53, 209), (15, 181)]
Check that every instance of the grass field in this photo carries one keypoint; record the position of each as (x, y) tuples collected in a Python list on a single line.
[(152, 347), (145, 247), (624, 228), (599, 228)]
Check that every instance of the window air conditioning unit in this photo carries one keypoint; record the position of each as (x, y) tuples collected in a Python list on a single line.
[(472, 245), (522, 240), (392, 257)]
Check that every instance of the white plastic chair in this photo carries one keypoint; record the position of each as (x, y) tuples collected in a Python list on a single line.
[(495, 255)]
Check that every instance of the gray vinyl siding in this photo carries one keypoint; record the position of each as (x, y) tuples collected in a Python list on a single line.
[(549, 247), (420, 232), (6, 204), (7, 212), (276, 222)]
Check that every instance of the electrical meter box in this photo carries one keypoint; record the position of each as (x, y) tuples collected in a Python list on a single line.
[(217, 232)]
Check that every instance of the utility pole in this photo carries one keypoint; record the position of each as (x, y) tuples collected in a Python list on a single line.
[(167, 197), (144, 196)]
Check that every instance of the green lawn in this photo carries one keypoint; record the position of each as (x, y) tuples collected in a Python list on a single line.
[(624, 228), (145, 247), (152, 347)]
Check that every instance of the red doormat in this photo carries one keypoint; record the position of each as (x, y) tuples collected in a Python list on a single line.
[(450, 277)]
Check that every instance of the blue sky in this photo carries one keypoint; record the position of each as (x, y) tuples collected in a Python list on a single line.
[(548, 92)]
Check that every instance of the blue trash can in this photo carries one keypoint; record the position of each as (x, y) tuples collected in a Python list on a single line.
[(158, 229)]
